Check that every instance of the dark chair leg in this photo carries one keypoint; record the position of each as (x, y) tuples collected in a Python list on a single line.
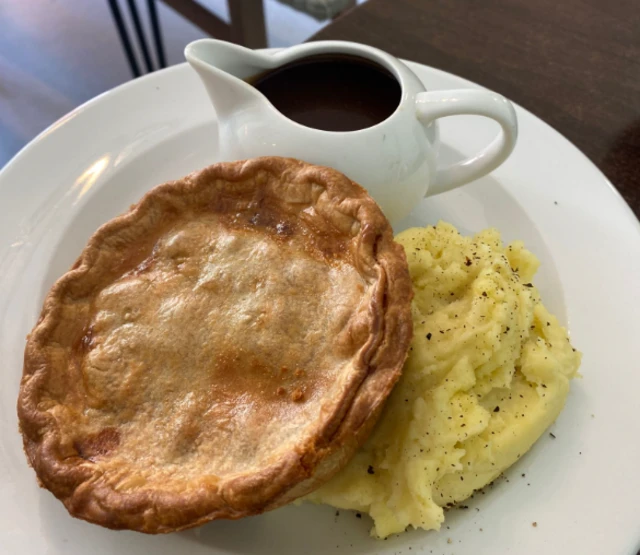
[(142, 39), (247, 23), (157, 33), (124, 37)]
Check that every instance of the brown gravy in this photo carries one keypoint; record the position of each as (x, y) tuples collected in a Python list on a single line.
[(332, 92)]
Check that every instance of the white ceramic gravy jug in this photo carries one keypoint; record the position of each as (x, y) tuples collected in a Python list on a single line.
[(395, 160)]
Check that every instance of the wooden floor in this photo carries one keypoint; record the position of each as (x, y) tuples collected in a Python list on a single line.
[(57, 54)]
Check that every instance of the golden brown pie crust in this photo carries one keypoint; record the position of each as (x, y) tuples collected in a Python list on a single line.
[(217, 351)]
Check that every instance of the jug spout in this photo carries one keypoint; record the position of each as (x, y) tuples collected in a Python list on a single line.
[(222, 67)]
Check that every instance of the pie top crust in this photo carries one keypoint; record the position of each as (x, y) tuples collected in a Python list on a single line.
[(217, 351)]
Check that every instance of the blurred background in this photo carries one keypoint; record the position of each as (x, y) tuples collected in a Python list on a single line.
[(57, 54)]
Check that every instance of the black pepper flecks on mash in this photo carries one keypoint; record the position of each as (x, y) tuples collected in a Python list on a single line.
[(484, 379)]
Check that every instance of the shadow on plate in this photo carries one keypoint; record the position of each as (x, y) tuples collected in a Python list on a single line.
[(61, 535), (485, 203), (302, 529), (290, 530)]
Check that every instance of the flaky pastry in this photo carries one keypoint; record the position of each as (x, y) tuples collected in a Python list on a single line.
[(217, 351)]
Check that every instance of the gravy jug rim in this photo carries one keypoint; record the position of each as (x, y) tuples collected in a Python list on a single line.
[(277, 57)]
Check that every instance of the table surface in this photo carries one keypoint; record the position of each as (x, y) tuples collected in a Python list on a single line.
[(575, 63)]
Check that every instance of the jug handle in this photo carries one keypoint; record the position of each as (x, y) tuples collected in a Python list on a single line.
[(431, 105)]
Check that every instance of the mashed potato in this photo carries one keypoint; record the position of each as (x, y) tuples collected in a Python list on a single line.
[(487, 373)]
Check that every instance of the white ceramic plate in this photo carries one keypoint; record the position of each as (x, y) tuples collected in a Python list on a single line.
[(581, 488)]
